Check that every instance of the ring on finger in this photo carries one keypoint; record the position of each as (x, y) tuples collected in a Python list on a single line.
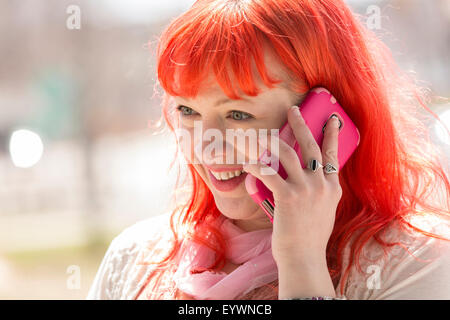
[(330, 168), (314, 165)]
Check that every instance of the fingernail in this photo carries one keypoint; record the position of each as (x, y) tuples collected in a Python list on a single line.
[(335, 120), (298, 114), (296, 110)]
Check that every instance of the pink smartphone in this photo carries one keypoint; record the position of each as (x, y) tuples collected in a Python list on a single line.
[(318, 106)]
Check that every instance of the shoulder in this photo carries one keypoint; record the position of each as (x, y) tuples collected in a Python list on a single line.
[(139, 237), (416, 266), (121, 270), (141, 233)]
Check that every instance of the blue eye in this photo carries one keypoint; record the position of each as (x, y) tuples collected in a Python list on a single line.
[(185, 111), (235, 115), (239, 115)]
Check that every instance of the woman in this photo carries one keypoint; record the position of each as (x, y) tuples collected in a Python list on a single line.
[(377, 229)]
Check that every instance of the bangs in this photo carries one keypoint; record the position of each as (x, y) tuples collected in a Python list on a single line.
[(218, 42)]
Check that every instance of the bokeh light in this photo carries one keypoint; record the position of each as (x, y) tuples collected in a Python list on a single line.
[(25, 148)]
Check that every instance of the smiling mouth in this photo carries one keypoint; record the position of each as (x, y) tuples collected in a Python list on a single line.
[(226, 175), (226, 181)]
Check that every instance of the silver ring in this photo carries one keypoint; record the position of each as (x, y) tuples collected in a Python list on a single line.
[(329, 168), (313, 165)]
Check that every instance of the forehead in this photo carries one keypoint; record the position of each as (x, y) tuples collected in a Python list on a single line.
[(276, 70)]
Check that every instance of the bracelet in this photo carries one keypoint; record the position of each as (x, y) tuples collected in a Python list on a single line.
[(316, 298)]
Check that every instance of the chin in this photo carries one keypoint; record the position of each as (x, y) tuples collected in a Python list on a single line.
[(236, 207), (235, 204)]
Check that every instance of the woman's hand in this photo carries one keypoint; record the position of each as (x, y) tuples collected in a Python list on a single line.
[(306, 202)]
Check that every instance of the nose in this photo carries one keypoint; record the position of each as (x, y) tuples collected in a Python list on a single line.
[(213, 123), (210, 141)]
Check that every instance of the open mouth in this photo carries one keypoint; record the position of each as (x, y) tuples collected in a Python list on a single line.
[(226, 175), (226, 181)]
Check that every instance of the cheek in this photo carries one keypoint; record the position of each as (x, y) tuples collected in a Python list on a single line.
[(185, 139), (240, 149), (188, 145)]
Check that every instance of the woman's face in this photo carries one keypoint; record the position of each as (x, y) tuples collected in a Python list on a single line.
[(212, 109)]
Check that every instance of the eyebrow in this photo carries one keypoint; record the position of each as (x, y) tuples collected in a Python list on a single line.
[(228, 100), (225, 100)]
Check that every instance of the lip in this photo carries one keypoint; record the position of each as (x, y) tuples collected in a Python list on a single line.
[(227, 185)]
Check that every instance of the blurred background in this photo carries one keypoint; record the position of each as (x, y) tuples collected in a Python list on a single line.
[(80, 159)]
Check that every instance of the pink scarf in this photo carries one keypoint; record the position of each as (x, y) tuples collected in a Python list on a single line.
[(251, 249)]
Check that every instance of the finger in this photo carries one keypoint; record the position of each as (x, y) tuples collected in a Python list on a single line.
[(330, 146), (267, 175), (308, 145), (283, 153)]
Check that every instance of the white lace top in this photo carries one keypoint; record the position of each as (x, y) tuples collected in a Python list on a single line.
[(396, 275)]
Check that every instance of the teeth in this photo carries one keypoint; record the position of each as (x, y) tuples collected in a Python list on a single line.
[(226, 175)]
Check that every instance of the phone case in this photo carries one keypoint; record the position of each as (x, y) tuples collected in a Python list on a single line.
[(316, 109)]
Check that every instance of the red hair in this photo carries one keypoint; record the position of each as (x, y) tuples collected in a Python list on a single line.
[(321, 43)]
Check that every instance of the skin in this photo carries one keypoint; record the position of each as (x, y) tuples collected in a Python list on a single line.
[(268, 111), (305, 203)]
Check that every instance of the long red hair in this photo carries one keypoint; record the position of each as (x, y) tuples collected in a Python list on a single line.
[(321, 43)]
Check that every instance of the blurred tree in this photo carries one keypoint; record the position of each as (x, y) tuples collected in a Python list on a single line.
[(56, 117)]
